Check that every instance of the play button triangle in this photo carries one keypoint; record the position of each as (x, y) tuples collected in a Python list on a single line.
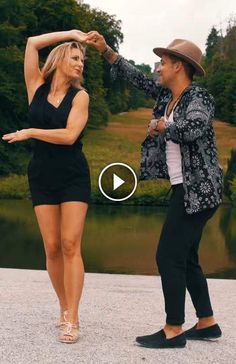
[(117, 181)]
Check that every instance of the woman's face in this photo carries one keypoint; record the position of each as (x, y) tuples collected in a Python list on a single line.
[(73, 66)]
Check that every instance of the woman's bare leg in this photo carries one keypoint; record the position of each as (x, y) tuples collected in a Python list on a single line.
[(49, 220), (73, 216)]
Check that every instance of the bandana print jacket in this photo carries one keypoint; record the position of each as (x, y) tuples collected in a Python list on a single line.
[(192, 129)]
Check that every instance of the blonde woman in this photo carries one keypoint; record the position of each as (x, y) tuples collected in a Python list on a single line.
[(58, 173)]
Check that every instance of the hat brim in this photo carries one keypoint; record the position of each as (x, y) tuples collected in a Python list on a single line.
[(198, 68)]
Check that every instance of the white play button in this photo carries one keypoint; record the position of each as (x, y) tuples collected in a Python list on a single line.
[(117, 181)]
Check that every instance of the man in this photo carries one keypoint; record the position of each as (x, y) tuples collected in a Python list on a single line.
[(182, 148)]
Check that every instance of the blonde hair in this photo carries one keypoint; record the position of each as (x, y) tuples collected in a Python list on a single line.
[(58, 54)]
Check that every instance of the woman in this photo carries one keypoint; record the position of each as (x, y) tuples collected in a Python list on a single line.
[(58, 173)]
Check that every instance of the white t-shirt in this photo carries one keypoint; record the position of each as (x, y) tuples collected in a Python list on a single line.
[(173, 159)]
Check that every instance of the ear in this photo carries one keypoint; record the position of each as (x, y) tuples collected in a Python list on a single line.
[(178, 66)]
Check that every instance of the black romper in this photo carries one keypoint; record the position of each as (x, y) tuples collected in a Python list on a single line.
[(56, 173)]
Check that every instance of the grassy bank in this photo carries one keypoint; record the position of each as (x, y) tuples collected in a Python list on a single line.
[(120, 142)]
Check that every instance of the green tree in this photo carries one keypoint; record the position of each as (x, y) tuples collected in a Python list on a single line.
[(220, 65), (20, 19), (212, 44)]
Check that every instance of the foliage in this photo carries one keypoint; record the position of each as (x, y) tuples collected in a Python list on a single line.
[(233, 190), (230, 177), (14, 187), (20, 19), (220, 66)]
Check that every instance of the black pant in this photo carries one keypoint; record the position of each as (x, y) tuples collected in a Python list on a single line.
[(177, 260)]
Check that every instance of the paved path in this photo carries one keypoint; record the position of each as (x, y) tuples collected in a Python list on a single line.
[(114, 310)]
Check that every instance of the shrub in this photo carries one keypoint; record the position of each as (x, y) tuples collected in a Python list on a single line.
[(230, 175), (14, 186)]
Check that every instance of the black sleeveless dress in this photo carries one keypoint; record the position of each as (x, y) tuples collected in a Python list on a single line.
[(56, 173)]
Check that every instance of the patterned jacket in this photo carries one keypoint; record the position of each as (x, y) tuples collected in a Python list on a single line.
[(192, 129)]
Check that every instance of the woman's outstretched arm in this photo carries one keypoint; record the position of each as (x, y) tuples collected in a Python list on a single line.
[(76, 122)]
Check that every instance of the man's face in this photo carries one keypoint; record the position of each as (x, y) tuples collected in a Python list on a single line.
[(166, 71)]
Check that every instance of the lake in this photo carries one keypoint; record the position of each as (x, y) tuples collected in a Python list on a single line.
[(117, 239)]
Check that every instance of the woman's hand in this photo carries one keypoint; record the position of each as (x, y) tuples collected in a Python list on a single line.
[(79, 36), (17, 136), (97, 41)]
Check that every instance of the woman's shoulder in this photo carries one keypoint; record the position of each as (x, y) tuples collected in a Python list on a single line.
[(79, 95), (79, 92), (78, 88)]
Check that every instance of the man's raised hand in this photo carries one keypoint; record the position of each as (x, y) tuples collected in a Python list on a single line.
[(96, 40)]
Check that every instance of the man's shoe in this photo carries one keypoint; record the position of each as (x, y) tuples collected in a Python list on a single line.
[(159, 341), (209, 333)]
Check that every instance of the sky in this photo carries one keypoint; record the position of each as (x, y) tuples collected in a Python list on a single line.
[(153, 23)]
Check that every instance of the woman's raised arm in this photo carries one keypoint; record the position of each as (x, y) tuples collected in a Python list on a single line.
[(33, 75)]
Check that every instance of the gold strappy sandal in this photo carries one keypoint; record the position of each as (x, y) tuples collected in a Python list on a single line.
[(70, 333)]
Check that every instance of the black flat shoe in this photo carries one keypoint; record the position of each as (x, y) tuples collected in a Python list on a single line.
[(159, 341), (209, 333)]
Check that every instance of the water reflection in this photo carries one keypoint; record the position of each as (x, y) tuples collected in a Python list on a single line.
[(117, 239)]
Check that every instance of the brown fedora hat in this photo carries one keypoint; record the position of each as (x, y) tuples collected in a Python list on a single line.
[(186, 50)]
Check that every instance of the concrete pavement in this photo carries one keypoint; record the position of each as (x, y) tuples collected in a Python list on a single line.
[(114, 310)]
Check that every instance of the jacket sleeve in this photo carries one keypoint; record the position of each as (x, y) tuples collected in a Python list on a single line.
[(122, 68), (198, 117)]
